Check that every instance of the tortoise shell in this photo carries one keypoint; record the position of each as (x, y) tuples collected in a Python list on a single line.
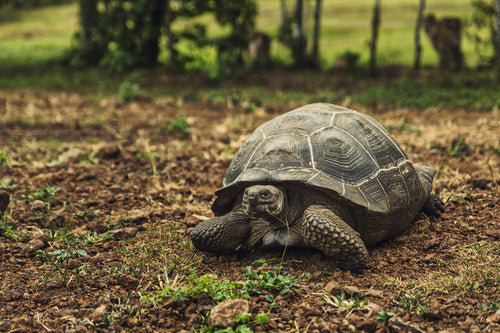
[(331, 148)]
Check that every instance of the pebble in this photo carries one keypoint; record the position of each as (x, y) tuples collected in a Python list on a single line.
[(224, 314)]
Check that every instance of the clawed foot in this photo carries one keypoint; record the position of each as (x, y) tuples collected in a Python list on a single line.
[(434, 206)]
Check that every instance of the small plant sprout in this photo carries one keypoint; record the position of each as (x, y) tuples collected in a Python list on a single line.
[(344, 304), (59, 261), (411, 302), (45, 194), (458, 146), (383, 317)]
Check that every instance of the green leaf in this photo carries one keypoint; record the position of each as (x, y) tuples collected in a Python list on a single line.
[(262, 318), (243, 318), (269, 298)]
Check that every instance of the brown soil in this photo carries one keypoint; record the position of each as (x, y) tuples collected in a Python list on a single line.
[(118, 168)]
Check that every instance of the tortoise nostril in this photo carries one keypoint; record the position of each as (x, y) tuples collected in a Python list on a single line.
[(249, 194)]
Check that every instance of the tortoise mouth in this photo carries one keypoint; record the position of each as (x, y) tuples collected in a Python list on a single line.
[(262, 200)]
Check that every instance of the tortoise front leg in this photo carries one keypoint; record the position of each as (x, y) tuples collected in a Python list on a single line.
[(222, 233), (327, 232)]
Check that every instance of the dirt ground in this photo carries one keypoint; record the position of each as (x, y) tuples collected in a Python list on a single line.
[(125, 185)]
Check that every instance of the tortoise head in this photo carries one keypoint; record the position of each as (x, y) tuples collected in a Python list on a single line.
[(263, 200)]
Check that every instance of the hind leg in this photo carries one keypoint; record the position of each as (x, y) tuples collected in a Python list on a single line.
[(434, 206), (327, 232)]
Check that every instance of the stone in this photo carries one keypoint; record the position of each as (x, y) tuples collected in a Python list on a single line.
[(108, 152), (224, 314), (124, 233), (35, 244)]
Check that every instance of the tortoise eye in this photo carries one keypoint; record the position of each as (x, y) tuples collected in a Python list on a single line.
[(265, 194)]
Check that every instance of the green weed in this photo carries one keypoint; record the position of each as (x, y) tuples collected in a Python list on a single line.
[(154, 249), (6, 184), (273, 280), (492, 308), (128, 91), (220, 290), (122, 308), (411, 302), (495, 149), (383, 317), (45, 194), (179, 125), (4, 158), (7, 230), (87, 215), (405, 126), (345, 304), (459, 147), (59, 261)]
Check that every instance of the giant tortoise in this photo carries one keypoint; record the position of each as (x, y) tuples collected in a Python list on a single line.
[(320, 176)]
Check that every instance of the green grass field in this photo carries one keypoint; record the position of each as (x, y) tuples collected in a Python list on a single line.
[(346, 26), (36, 35)]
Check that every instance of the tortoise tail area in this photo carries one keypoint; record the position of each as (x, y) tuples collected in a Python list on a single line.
[(426, 175), (434, 206)]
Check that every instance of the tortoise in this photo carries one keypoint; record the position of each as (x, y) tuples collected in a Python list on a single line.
[(320, 176)]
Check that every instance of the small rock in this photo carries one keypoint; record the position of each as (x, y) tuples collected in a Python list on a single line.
[(108, 152), (363, 324), (39, 206), (57, 220), (124, 233), (286, 315), (403, 325), (351, 290), (97, 226), (474, 329), (494, 318), (224, 314), (35, 244), (19, 324), (136, 218), (127, 281), (96, 316), (332, 287), (373, 293)]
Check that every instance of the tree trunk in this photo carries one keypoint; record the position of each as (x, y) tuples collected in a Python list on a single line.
[(151, 44), (284, 13), (298, 36), (373, 41), (497, 35), (315, 48), (173, 59), (88, 22), (418, 45)]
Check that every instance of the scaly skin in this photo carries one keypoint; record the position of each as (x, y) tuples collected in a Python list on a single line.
[(222, 233), (327, 232)]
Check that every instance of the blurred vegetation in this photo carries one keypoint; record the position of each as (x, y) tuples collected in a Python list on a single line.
[(43, 47)]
